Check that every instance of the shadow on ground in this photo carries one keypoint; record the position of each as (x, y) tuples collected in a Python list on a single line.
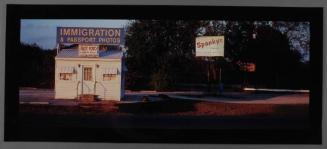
[(167, 105)]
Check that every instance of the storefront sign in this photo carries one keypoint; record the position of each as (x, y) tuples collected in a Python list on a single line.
[(88, 50), (209, 46), (88, 35)]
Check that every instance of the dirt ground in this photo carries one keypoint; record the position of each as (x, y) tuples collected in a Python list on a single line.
[(167, 114), (172, 107), (171, 110)]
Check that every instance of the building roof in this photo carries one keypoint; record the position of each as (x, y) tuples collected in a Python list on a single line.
[(73, 53)]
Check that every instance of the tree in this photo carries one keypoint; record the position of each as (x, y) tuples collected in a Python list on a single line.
[(276, 63), (298, 34), (160, 51), (37, 67), (274, 45)]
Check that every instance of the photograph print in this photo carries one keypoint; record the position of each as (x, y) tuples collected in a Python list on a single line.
[(140, 78)]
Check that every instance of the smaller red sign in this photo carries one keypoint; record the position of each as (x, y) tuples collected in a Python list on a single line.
[(88, 50)]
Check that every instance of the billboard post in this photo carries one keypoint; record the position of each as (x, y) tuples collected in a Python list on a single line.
[(210, 47)]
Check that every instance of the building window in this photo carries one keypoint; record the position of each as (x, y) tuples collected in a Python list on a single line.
[(66, 76), (87, 73), (108, 77)]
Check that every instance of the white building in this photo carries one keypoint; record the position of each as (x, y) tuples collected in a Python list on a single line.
[(102, 75)]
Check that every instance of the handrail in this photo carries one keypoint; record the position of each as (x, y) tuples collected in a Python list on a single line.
[(77, 90), (95, 87)]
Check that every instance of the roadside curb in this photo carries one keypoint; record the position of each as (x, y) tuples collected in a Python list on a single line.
[(34, 103)]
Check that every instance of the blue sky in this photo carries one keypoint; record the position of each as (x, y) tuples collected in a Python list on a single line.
[(43, 31)]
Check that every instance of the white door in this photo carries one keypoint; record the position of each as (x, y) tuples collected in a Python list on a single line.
[(87, 82)]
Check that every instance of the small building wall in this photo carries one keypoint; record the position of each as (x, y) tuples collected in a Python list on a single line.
[(106, 90)]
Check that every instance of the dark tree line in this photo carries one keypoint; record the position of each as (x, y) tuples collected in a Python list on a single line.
[(161, 54), (37, 66)]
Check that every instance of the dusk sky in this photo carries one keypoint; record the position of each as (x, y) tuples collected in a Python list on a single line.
[(43, 31)]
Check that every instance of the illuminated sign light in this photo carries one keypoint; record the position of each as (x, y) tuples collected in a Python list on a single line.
[(87, 35), (209, 46)]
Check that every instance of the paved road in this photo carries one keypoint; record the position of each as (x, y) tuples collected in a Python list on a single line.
[(44, 96), (297, 98), (35, 95)]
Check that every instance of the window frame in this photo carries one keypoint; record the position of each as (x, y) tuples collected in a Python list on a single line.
[(63, 76), (109, 77)]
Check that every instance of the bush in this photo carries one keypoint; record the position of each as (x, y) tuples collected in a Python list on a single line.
[(160, 81)]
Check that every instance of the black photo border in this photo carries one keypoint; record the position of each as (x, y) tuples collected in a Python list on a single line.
[(15, 132)]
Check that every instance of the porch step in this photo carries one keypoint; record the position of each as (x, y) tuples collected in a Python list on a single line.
[(87, 98)]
